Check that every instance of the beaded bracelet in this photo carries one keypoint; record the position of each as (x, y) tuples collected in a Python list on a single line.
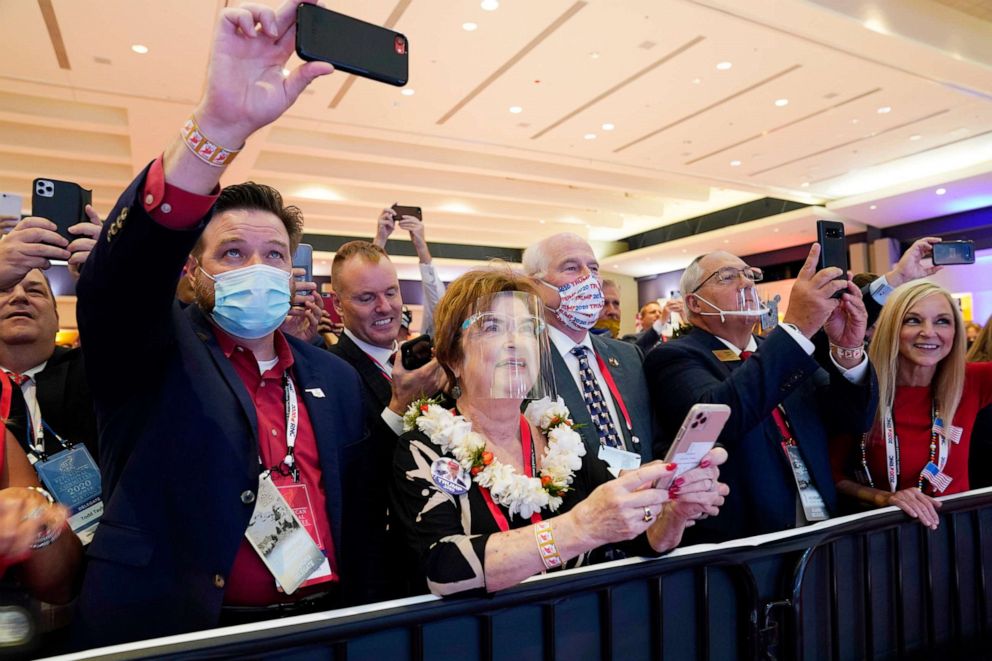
[(848, 353), (201, 146), (545, 537)]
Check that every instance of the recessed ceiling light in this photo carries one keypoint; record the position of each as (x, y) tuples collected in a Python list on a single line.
[(608, 126), (697, 81), (541, 221), (726, 240), (516, 110), (884, 110), (684, 250), (873, 207), (140, 49), (940, 191), (408, 91), (489, 5), (723, 66), (285, 74), (470, 26), (589, 136), (855, 120), (594, 55), (775, 229), (781, 103), (805, 184), (915, 136), (735, 164)]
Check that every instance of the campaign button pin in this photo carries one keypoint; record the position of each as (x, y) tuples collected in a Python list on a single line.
[(449, 476)]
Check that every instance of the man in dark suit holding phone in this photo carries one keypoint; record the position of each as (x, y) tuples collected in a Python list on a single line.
[(210, 415), (785, 398)]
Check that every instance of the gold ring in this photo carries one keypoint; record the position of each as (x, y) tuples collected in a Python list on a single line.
[(648, 516)]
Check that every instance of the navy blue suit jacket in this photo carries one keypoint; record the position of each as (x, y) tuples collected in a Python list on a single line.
[(818, 402), (179, 444)]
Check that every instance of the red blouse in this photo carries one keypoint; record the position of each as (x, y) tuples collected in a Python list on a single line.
[(912, 419)]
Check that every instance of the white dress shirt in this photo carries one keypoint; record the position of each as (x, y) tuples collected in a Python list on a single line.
[(381, 356), (30, 391)]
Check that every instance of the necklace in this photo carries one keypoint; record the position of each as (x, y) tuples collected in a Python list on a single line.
[(520, 494)]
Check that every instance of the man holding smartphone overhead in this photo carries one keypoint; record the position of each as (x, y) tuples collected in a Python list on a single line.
[(785, 391), (214, 424)]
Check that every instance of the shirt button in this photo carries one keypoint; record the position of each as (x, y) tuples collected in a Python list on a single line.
[(248, 497), (149, 199), (262, 385), (218, 581), (166, 208), (275, 433)]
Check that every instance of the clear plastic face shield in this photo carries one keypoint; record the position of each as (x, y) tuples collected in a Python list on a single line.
[(747, 303), (507, 353)]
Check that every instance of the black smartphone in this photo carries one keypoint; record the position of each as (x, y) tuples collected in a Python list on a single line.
[(417, 352), (62, 202), (352, 45), (303, 259), (401, 210), (953, 252), (833, 248)]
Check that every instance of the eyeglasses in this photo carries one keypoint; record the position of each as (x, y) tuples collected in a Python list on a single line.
[(729, 274), (492, 324)]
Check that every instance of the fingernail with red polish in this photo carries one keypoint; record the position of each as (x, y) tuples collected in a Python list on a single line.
[(672, 466), (705, 463), (679, 482), (673, 493)]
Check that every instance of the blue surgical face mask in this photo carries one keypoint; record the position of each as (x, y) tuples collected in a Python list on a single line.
[(250, 302)]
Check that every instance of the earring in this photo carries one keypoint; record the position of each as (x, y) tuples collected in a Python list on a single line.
[(456, 391)]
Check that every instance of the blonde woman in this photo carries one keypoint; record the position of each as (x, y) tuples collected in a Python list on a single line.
[(918, 446)]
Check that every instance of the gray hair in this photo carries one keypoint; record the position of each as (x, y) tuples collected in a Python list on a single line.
[(692, 277), (536, 260), (610, 283)]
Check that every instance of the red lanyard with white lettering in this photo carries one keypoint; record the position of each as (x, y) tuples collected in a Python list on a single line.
[(288, 464), (611, 384), (939, 448), (530, 468)]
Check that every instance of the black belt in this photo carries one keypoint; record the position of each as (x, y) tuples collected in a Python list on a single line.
[(230, 615)]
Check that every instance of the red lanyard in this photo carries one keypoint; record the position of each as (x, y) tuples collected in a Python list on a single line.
[(381, 368), (529, 466), (5, 397), (613, 390)]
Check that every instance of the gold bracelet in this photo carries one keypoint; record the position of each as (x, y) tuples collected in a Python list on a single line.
[(201, 146), (545, 537)]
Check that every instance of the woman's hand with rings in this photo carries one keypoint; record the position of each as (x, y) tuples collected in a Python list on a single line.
[(25, 517)]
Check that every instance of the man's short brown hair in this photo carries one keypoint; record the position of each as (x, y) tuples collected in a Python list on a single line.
[(367, 251), (258, 197)]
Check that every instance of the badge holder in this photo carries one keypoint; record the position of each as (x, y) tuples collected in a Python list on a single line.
[(814, 508), (280, 539), (73, 479), (619, 460)]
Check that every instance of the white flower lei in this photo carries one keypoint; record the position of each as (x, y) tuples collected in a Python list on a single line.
[(518, 493)]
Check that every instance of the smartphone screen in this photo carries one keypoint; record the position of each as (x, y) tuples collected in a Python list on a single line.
[(10, 205), (953, 252), (62, 202), (833, 248), (352, 45)]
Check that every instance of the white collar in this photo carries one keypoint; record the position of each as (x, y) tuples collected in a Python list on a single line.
[(564, 344), (28, 373), (752, 345), (380, 354)]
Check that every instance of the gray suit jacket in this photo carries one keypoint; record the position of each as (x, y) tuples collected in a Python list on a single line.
[(625, 364)]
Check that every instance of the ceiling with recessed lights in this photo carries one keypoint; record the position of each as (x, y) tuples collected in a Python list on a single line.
[(522, 119)]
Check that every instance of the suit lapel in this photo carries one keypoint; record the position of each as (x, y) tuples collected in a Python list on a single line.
[(371, 375), (322, 412), (612, 363)]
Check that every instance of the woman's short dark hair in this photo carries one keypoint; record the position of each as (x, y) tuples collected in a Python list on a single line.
[(258, 197)]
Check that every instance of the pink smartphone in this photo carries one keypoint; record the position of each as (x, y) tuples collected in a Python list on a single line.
[(697, 436)]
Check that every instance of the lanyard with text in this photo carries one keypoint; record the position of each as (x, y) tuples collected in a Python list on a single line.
[(37, 447), (288, 465), (939, 452), (530, 467), (5, 397), (611, 384), (382, 368)]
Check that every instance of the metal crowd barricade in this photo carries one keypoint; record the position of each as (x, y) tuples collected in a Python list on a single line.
[(875, 585)]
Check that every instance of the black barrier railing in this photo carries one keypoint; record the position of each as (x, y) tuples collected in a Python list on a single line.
[(873, 586)]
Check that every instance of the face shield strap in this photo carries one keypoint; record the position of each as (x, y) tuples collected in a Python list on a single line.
[(748, 305)]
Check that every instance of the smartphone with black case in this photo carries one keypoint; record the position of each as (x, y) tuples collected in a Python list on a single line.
[(417, 352), (953, 252), (352, 45), (303, 259), (62, 202), (401, 210), (833, 248)]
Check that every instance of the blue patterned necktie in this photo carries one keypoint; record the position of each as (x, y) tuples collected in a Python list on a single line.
[(595, 402)]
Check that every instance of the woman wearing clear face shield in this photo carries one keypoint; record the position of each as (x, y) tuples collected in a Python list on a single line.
[(489, 497)]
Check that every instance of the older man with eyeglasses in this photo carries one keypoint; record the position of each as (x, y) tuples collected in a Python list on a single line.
[(788, 390)]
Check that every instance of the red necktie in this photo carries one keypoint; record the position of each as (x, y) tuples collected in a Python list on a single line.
[(19, 379)]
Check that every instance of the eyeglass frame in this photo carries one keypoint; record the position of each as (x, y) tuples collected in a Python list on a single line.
[(757, 275)]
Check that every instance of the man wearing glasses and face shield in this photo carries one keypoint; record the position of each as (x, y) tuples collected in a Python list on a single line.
[(788, 391)]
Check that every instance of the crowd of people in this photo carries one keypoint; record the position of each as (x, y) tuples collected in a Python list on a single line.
[(241, 457)]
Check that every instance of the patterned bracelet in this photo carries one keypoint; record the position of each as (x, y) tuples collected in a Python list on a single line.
[(201, 146), (45, 537), (848, 353), (546, 545)]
